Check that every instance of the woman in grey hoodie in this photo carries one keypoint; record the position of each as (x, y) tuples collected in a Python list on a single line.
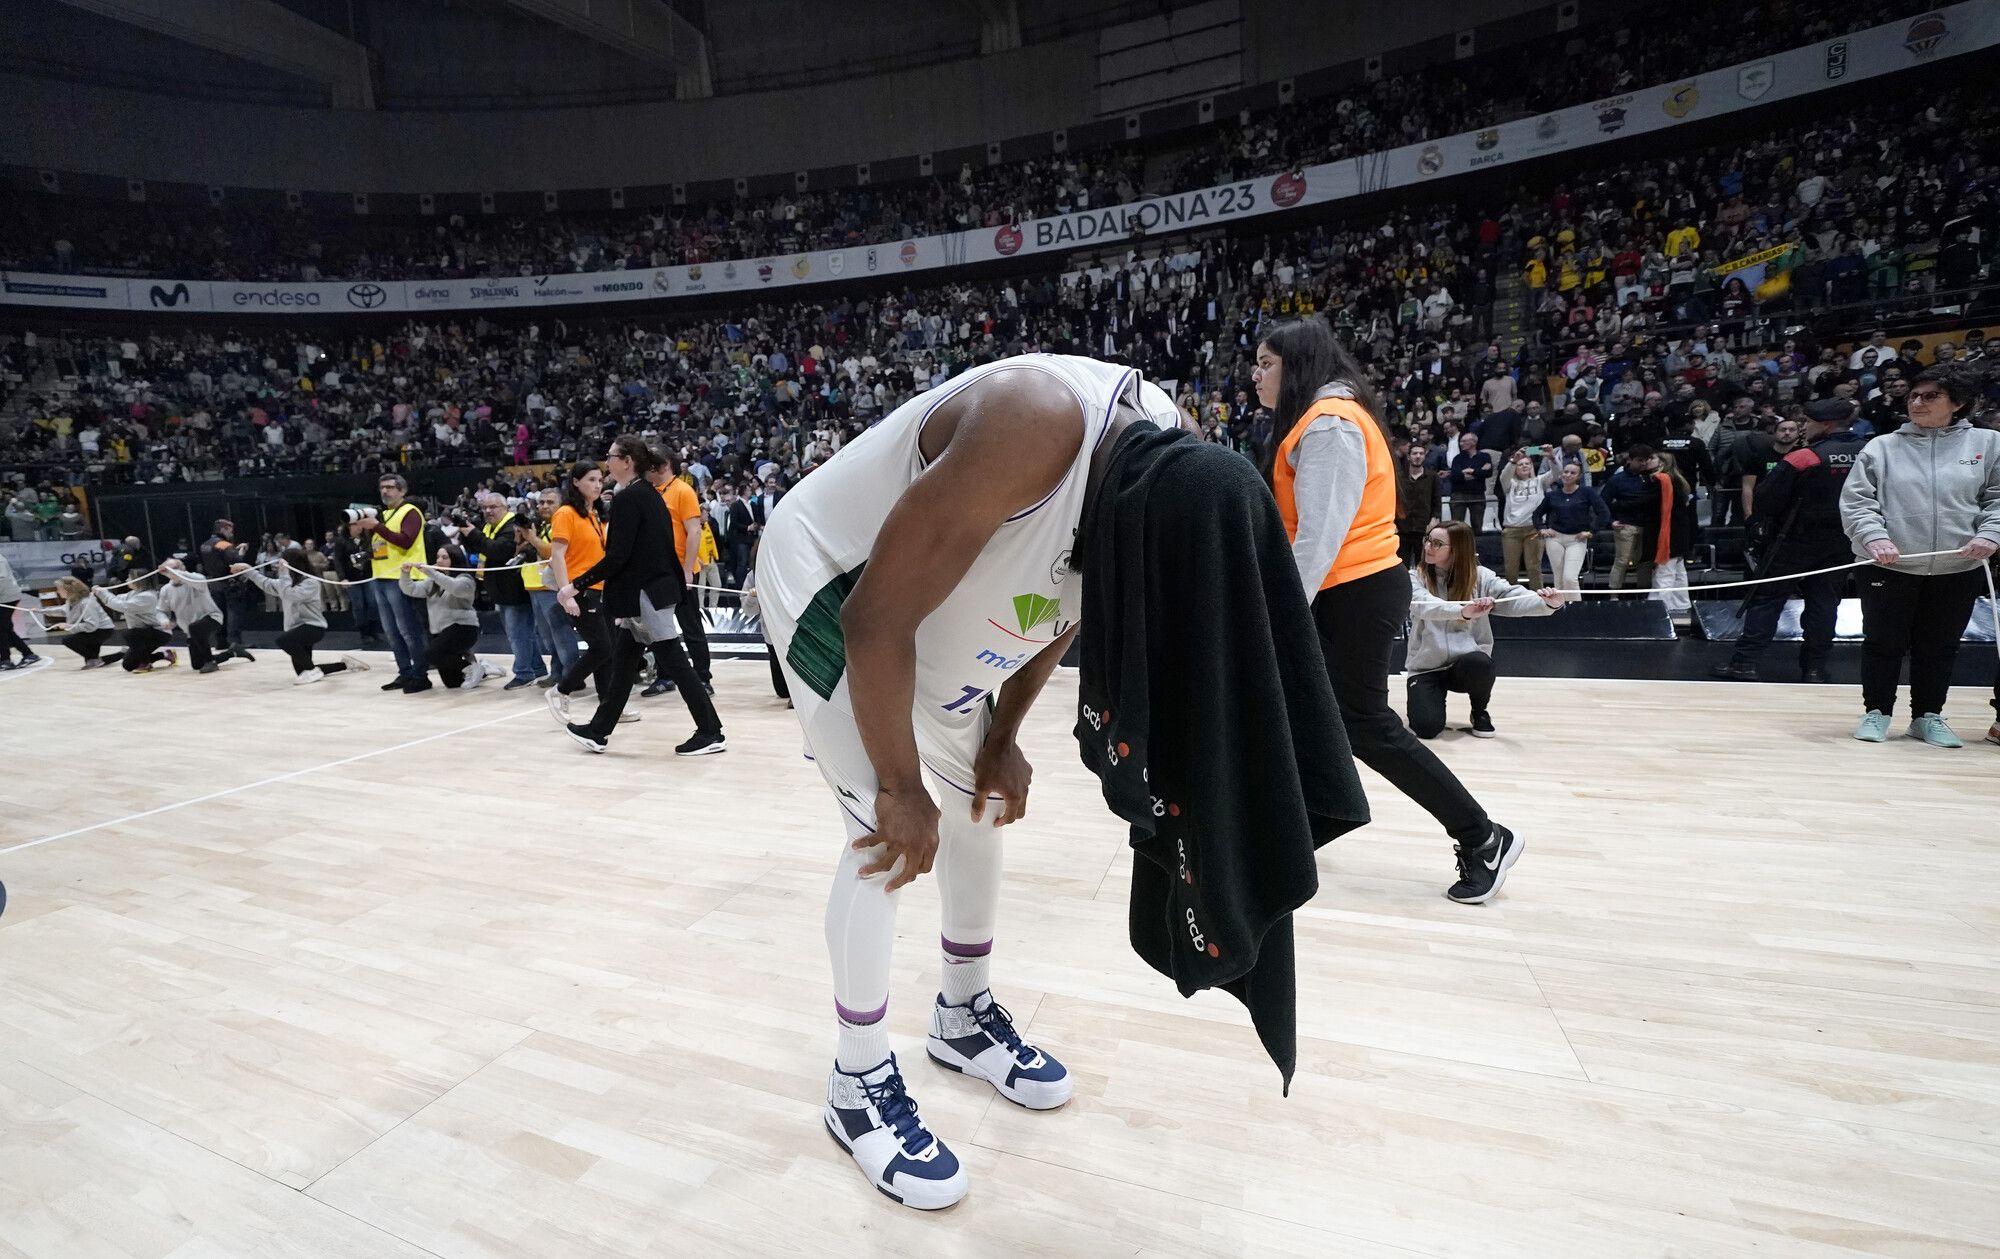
[(145, 623), (188, 602), (1932, 485), (87, 624), (299, 599), (10, 640), (454, 623), (1452, 602)]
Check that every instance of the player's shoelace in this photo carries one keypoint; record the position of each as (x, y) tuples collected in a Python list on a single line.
[(997, 1023), (893, 1102)]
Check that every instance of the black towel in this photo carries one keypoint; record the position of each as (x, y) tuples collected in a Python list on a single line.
[(1206, 712)]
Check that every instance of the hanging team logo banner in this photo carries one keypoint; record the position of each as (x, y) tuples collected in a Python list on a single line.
[(1947, 32)]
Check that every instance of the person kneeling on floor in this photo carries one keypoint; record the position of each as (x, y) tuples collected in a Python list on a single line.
[(300, 603), (454, 622), (1451, 637)]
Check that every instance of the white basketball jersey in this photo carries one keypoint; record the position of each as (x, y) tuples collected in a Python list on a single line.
[(1018, 596)]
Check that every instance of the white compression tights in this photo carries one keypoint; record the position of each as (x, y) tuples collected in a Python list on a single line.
[(861, 913)]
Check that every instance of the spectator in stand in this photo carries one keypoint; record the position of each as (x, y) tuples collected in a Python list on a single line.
[(1471, 469), (1638, 513), (1570, 513), (1451, 639), (1930, 483), (1419, 502), (1522, 490)]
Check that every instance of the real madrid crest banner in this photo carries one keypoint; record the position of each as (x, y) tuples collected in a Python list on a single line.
[(1904, 44)]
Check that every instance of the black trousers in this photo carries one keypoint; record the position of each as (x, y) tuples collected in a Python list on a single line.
[(595, 629), (1358, 623), (1919, 617), (1766, 604), (238, 603), (1410, 546), (204, 641), (10, 639), (612, 693), (694, 636), (449, 650), (785, 692), (1470, 675), (298, 643), (142, 646), (87, 643)]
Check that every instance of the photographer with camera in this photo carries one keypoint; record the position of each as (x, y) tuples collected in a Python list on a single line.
[(500, 573), (395, 538)]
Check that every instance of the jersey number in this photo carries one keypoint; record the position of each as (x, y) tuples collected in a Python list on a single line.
[(973, 695)]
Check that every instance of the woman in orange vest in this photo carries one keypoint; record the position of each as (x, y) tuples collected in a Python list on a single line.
[(1335, 480)]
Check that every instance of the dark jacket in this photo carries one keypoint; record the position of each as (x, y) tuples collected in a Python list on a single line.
[(1418, 500), (1573, 511), (1799, 501), (1633, 499), (501, 578), (737, 538), (1206, 713), (638, 554)]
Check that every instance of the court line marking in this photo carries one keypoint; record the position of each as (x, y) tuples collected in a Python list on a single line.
[(265, 782)]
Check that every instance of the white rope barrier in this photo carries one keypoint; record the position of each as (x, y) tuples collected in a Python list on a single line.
[(1993, 599)]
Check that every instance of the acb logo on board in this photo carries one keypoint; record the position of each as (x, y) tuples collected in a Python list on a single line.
[(1007, 240), (1288, 190)]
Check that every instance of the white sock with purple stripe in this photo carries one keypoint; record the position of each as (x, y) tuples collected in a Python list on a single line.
[(864, 1037), (965, 970)]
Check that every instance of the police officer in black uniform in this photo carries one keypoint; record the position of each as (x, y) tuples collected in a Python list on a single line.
[(1797, 508)]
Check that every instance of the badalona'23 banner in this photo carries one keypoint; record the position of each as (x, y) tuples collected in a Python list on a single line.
[(1947, 32)]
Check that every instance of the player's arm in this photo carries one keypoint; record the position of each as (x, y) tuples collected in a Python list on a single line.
[(1000, 456)]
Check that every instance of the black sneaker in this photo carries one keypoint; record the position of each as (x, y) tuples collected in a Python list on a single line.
[(1482, 870), (1814, 677), (515, 684), (704, 743), (417, 686), (29, 660), (708, 686), (241, 654), (584, 739), (207, 668), (395, 684), (8, 666), (659, 687), (1482, 725), (1733, 672)]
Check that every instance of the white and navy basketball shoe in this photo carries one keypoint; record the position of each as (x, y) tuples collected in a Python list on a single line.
[(978, 1039), (874, 1119)]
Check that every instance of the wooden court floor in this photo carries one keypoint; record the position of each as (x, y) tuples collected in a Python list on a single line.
[(461, 990)]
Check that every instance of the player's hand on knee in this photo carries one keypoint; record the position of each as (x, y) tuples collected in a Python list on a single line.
[(1001, 770), (906, 831)]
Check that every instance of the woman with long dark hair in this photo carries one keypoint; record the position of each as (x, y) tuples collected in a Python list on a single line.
[(1453, 599), (1330, 466), (576, 544)]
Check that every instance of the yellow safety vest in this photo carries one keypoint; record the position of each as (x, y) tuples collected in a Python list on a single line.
[(531, 571), (386, 560)]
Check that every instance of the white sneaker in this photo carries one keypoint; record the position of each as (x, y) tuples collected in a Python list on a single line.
[(310, 675), (475, 673), (354, 663), (978, 1039), (873, 1118), (559, 706), (627, 717)]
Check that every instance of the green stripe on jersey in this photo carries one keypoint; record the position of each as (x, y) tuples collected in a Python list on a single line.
[(818, 652)]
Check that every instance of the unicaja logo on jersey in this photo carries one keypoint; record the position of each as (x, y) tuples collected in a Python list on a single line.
[(1033, 611)]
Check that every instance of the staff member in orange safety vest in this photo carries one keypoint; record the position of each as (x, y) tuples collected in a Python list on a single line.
[(1335, 480)]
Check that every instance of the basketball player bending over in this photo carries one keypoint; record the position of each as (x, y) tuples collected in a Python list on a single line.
[(917, 589)]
